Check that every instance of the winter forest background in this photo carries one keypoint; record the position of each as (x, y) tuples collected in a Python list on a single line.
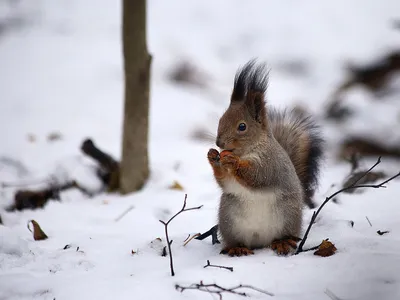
[(61, 83)]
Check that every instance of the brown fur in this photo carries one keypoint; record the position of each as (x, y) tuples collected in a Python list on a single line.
[(299, 136)]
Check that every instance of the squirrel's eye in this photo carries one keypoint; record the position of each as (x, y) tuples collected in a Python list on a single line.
[(242, 127)]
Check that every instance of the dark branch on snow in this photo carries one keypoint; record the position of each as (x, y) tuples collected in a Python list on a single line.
[(183, 209), (352, 186), (216, 266), (219, 290)]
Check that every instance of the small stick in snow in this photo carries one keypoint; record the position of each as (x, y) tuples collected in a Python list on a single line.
[(124, 213), (216, 266), (370, 224), (164, 251), (189, 238), (331, 295), (354, 185), (382, 232), (214, 235), (183, 209), (315, 247), (218, 290)]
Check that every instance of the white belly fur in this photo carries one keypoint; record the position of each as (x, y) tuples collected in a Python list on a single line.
[(258, 222)]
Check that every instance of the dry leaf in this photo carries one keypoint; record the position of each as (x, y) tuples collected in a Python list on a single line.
[(38, 233), (176, 186), (326, 248)]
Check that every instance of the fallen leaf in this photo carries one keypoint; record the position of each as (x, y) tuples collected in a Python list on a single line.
[(382, 232), (38, 233), (326, 248), (176, 186), (133, 252)]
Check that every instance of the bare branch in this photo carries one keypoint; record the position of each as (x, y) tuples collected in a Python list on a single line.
[(183, 209), (216, 266), (352, 186), (370, 224), (218, 290), (369, 170)]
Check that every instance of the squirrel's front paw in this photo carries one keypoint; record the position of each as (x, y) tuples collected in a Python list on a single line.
[(230, 162), (213, 156)]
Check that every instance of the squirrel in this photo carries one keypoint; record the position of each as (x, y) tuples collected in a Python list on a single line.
[(268, 169)]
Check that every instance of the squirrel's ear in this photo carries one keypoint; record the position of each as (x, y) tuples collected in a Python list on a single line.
[(256, 105)]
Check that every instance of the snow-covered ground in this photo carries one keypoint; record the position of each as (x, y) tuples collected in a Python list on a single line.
[(60, 71)]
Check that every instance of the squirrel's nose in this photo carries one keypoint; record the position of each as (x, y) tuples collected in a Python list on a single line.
[(219, 143)]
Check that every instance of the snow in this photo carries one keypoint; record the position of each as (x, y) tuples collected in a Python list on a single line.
[(61, 72)]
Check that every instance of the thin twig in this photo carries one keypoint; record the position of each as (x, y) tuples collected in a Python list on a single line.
[(183, 209), (187, 238), (382, 232), (352, 186), (218, 290), (314, 248), (216, 266), (124, 213), (331, 295), (370, 224), (366, 172), (191, 238)]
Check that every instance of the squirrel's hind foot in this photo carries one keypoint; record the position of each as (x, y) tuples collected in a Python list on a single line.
[(285, 246), (237, 251)]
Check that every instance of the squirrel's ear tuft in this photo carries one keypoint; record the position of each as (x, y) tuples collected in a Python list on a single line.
[(251, 83), (241, 83), (251, 78)]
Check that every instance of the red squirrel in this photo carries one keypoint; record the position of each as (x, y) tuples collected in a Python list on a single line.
[(268, 169)]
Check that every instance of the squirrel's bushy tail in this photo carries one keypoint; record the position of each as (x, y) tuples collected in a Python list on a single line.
[(301, 139)]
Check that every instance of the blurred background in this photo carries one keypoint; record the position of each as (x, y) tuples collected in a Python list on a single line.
[(62, 83), (61, 75)]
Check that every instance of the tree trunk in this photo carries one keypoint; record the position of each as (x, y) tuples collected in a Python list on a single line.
[(134, 162)]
